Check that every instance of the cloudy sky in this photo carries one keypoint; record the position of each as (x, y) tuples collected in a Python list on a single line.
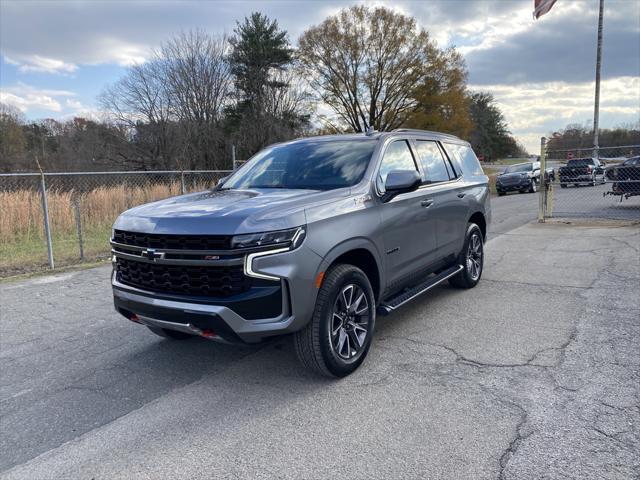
[(57, 56)]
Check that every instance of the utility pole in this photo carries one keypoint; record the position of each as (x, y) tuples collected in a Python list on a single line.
[(596, 107)]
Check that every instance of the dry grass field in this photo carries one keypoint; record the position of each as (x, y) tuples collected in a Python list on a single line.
[(22, 239)]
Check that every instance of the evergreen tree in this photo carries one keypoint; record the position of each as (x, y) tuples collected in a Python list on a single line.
[(271, 106), (259, 48), (490, 137)]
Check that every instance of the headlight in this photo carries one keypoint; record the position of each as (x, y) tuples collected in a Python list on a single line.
[(292, 237)]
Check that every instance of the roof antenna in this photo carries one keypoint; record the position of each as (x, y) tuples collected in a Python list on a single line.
[(370, 131)]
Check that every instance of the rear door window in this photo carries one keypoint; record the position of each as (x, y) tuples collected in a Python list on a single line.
[(465, 158), (433, 163)]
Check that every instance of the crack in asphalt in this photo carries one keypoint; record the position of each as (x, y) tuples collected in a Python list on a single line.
[(515, 442)]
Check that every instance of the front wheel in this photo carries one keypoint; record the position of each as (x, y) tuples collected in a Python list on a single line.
[(471, 258), (533, 188), (337, 339)]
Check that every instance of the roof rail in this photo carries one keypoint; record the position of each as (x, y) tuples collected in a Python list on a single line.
[(417, 130)]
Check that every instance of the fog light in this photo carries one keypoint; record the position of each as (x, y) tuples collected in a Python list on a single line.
[(208, 333)]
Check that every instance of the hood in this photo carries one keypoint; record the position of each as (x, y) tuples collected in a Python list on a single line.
[(225, 212), (514, 174)]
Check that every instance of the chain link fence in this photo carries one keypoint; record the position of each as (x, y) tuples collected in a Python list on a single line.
[(54, 219), (592, 184)]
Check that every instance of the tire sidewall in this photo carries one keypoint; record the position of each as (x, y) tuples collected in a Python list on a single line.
[(337, 365), (471, 229)]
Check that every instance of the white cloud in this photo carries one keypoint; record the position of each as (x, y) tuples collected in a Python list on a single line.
[(25, 97), (37, 63), (73, 103), (534, 110)]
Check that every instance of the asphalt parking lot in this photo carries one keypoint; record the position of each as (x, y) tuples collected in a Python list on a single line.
[(535, 373)]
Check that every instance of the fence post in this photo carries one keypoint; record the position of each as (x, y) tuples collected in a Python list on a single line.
[(45, 211), (233, 156), (182, 187), (76, 210), (542, 198)]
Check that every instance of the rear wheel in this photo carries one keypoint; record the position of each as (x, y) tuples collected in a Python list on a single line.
[(337, 339), (563, 185), (471, 258), (171, 334), (501, 194)]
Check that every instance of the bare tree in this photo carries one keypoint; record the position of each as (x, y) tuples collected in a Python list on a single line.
[(140, 100), (364, 63), (197, 74), (174, 103), (199, 83), (12, 141), (290, 97)]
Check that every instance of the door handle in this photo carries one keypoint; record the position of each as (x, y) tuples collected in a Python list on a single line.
[(461, 195), (426, 203)]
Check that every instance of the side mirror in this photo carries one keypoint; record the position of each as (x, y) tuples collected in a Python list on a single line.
[(221, 182), (400, 181)]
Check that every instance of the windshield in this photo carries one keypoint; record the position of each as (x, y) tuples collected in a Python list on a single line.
[(522, 167), (309, 164)]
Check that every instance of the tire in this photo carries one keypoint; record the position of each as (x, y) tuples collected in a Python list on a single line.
[(563, 185), (320, 346), (470, 275), (593, 181), (170, 334), (501, 194), (534, 187)]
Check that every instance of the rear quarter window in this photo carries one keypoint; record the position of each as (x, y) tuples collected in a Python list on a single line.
[(580, 162), (464, 159)]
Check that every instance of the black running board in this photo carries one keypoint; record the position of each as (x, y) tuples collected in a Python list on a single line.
[(405, 296)]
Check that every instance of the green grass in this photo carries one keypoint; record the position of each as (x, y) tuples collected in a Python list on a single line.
[(492, 183), (508, 161), (29, 254)]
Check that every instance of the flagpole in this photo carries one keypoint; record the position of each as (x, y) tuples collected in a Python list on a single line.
[(596, 107)]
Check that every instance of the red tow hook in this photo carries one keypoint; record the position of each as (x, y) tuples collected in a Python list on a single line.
[(208, 333), (134, 318)]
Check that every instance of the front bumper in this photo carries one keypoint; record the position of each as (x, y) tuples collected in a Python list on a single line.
[(513, 187), (248, 317)]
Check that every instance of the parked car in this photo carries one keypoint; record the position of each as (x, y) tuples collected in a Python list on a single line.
[(521, 177), (625, 178), (577, 171), (311, 237)]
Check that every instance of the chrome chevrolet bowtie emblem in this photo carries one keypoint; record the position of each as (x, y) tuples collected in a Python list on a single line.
[(151, 254)]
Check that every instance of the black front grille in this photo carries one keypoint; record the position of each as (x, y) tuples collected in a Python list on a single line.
[(185, 280), (174, 242), (513, 180)]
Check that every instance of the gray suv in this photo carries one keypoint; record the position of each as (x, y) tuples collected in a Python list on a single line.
[(311, 237)]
